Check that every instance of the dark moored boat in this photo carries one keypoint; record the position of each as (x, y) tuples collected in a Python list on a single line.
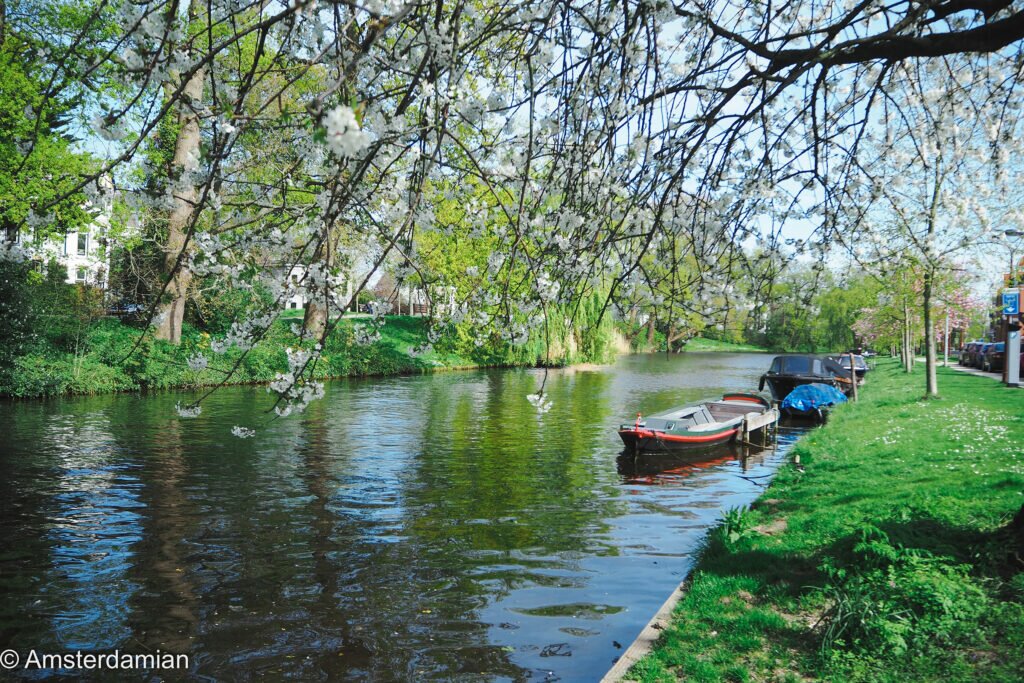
[(702, 425), (788, 372), (860, 365)]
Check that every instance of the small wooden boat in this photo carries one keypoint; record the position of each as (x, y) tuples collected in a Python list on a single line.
[(698, 426)]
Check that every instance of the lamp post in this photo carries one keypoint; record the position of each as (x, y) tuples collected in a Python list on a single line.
[(1012, 358)]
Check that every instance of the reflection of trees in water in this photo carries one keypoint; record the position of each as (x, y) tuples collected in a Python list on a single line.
[(492, 474), (406, 615), (343, 650), (502, 495), (167, 611), (350, 542)]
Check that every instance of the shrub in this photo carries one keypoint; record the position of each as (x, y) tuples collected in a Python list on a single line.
[(890, 599)]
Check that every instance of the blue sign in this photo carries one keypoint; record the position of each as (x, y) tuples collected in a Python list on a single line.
[(1011, 302)]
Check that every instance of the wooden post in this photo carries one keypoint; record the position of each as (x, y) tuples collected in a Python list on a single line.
[(853, 377)]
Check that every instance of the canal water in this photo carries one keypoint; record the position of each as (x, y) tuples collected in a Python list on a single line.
[(408, 528)]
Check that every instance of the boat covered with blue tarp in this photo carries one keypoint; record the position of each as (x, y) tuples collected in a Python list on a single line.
[(811, 399)]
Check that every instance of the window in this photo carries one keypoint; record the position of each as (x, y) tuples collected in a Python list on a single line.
[(80, 275), (12, 234), (83, 243), (798, 365)]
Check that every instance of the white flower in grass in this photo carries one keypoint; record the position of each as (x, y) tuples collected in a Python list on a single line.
[(188, 411), (344, 136), (243, 432), (198, 362)]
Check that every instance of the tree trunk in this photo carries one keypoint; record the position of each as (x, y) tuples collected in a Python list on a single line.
[(186, 156), (931, 383), (903, 343), (908, 339), (318, 307), (650, 332)]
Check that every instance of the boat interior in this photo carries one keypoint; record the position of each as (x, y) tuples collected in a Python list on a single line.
[(708, 416)]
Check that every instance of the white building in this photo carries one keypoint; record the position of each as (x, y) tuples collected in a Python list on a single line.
[(298, 296), (83, 254)]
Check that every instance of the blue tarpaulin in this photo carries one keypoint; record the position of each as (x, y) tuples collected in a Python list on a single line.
[(808, 397)]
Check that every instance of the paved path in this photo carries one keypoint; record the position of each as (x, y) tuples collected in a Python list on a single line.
[(997, 376)]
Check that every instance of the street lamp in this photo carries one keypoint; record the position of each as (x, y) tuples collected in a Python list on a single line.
[(1012, 358)]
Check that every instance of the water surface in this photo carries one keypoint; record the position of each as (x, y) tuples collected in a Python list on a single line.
[(430, 527)]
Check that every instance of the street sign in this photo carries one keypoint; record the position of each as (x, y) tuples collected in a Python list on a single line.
[(1011, 301)]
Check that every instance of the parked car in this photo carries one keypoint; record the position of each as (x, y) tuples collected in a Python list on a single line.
[(126, 310), (994, 357), (968, 353), (965, 353), (979, 354)]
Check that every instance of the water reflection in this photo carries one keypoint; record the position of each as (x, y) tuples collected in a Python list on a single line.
[(406, 528), (93, 520)]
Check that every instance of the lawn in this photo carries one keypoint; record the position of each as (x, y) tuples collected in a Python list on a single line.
[(888, 554), (702, 344)]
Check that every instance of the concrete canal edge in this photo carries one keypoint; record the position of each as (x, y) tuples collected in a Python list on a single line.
[(648, 636)]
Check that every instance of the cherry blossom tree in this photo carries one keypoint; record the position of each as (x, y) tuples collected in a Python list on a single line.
[(634, 148)]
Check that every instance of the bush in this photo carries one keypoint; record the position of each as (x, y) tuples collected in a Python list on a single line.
[(891, 599)]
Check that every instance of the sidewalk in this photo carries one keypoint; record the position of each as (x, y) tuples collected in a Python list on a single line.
[(997, 376)]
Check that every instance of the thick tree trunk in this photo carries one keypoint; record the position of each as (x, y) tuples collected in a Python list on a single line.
[(318, 307), (932, 386), (650, 331), (185, 160)]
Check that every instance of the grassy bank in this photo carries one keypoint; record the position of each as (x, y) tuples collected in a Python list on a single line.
[(888, 555), (105, 362), (702, 344), (101, 357)]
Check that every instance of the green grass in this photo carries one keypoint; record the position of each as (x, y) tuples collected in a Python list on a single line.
[(890, 557), (702, 344)]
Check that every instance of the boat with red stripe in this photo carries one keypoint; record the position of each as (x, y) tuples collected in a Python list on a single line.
[(705, 424)]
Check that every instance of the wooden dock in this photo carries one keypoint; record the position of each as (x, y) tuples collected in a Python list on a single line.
[(763, 422)]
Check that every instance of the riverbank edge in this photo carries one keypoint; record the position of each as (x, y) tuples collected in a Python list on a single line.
[(704, 629), (391, 352)]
